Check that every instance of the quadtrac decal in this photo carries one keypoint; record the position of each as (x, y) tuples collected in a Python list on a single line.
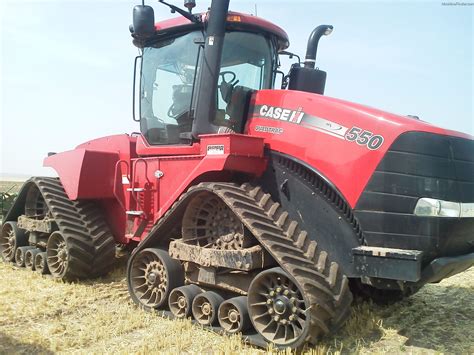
[(269, 129), (355, 134)]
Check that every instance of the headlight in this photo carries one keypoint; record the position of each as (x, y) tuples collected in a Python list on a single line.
[(432, 207)]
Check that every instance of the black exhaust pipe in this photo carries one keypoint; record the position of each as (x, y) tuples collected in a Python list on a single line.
[(307, 78), (210, 68), (313, 41)]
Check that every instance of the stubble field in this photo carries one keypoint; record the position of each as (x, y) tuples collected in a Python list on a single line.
[(42, 315)]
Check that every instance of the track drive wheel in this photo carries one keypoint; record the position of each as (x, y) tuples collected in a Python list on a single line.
[(181, 300), (41, 264), (234, 315), (210, 223), (11, 238), (278, 309), (152, 274)]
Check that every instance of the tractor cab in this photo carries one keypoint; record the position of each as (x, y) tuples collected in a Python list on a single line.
[(174, 59)]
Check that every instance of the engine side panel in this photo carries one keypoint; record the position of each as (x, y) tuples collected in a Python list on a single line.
[(342, 140)]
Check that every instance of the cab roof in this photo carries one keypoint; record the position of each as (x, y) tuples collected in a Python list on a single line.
[(235, 21)]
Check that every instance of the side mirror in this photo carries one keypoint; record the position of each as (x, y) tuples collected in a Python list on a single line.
[(143, 21)]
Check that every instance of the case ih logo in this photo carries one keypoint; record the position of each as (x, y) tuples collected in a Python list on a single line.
[(355, 134), (280, 113)]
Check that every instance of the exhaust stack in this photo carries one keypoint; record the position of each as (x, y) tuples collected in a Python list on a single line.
[(313, 41), (308, 78)]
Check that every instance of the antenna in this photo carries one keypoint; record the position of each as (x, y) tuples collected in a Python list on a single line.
[(256, 9)]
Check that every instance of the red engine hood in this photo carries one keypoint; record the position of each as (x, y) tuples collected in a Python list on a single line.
[(344, 141)]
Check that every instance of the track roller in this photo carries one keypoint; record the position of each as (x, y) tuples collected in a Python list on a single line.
[(30, 257), (277, 308), (41, 264), (233, 315), (205, 307), (152, 274), (11, 238), (181, 300), (20, 255)]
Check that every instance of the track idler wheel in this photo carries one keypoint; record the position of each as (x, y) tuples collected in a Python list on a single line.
[(181, 300), (20, 255), (277, 308), (233, 315), (152, 276), (41, 263), (11, 238), (205, 307), (30, 258)]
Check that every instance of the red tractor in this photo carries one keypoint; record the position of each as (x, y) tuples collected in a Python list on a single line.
[(253, 208)]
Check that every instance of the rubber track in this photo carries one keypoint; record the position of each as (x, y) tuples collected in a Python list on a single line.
[(322, 282), (91, 244)]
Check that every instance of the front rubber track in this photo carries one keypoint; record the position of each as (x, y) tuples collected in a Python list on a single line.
[(322, 282)]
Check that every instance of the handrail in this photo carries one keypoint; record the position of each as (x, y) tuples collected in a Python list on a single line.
[(117, 164)]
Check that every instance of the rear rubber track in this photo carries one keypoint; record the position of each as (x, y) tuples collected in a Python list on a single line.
[(91, 245)]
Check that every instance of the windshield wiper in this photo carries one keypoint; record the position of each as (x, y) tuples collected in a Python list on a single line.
[(189, 16)]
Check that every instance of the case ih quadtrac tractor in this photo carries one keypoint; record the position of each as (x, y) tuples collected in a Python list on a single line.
[(254, 209)]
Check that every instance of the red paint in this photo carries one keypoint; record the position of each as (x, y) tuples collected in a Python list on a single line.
[(105, 169), (244, 18)]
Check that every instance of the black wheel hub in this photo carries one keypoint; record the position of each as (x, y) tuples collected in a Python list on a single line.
[(151, 277), (282, 304)]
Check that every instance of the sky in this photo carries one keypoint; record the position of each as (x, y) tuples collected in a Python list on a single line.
[(66, 67)]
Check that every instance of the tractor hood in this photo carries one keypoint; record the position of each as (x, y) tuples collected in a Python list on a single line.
[(343, 141)]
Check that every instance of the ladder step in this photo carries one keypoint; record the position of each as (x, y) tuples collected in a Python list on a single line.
[(134, 213), (136, 189)]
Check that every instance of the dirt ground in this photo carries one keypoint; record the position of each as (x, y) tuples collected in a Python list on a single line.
[(39, 314)]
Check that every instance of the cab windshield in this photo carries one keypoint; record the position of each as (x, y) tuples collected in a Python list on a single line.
[(168, 73)]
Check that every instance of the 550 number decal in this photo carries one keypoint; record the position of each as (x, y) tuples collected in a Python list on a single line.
[(362, 137)]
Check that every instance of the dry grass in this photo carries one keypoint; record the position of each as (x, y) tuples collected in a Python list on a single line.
[(10, 186), (38, 314)]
